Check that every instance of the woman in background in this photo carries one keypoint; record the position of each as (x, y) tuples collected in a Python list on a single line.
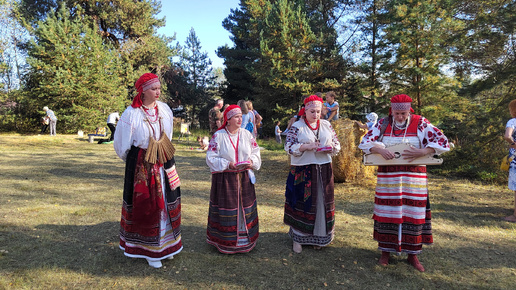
[(247, 116), (151, 211), (510, 136)]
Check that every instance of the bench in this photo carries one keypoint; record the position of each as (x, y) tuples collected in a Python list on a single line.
[(91, 137)]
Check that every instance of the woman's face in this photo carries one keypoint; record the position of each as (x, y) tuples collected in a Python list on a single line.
[(152, 94), (313, 114), (235, 122), (400, 116)]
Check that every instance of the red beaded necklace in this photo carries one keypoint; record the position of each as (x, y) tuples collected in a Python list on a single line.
[(316, 126)]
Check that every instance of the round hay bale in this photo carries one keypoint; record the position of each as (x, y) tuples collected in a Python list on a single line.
[(347, 165)]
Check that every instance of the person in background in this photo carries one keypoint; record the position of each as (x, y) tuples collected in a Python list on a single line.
[(150, 227), (331, 107), (510, 137), (203, 142), (247, 116), (277, 131), (257, 120), (44, 125), (52, 120), (309, 193), (294, 119), (402, 217), (371, 121), (215, 116), (111, 123), (233, 214)]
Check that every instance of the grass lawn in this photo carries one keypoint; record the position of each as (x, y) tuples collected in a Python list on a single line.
[(60, 204)]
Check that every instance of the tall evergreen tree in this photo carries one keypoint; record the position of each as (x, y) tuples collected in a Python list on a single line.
[(367, 25), (129, 26), (237, 59), (193, 80), (418, 33), (73, 72), (283, 50)]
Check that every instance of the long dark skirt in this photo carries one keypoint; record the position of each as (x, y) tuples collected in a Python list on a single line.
[(310, 204), (233, 213), (158, 236)]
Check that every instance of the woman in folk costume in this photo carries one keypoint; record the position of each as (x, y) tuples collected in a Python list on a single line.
[(402, 217), (232, 155), (151, 211), (310, 202)]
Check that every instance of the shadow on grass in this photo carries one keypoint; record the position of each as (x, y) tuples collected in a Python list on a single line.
[(93, 249)]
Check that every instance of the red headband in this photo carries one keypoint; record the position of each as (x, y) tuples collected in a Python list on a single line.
[(401, 103), (141, 85), (230, 112), (312, 101)]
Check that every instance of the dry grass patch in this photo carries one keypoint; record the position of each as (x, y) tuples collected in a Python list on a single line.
[(60, 205)]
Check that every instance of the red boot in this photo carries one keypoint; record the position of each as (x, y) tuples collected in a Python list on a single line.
[(413, 260), (384, 260)]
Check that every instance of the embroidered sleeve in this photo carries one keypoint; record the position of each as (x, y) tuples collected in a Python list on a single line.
[(370, 139), (292, 144), (255, 154), (214, 160), (432, 137)]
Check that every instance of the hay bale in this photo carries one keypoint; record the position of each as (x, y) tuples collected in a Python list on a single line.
[(347, 165)]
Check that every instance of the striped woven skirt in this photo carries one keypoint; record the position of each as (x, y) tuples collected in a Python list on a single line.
[(233, 213), (158, 236), (310, 204), (402, 216)]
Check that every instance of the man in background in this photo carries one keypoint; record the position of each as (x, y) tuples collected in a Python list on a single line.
[(111, 123), (215, 116)]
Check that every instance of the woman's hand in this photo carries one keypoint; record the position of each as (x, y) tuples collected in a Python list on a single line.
[(414, 153), (386, 154), (232, 165), (309, 146)]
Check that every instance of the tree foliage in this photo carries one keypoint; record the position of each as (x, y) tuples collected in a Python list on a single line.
[(283, 50), (73, 72)]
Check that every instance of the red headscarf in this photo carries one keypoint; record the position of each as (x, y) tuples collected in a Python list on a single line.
[(401, 103), (141, 85), (229, 112), (310, 101)]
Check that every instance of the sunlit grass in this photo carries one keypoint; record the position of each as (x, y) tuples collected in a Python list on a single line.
[(60, 204)]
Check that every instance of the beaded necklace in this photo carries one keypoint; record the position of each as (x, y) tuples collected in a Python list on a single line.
[(152, 118), (317, 127)]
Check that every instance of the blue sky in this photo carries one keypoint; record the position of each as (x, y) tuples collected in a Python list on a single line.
[(205, 16)]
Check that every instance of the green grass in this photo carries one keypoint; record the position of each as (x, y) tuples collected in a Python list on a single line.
[(60, 203)]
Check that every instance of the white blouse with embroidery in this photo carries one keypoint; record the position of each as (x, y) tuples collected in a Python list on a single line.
[(427, 136), (299, 134), (221, 150), (133, 130)]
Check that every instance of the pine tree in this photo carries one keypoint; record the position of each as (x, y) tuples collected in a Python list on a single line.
[(283, 50), (193, 79), (74, 73), (129, 26), (418, 33)]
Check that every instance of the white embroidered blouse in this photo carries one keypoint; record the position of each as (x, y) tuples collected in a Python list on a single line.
[(427, 136), (133, 130), (299, 134), (221, 150)]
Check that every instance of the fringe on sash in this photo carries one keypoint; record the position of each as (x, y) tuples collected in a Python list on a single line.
[(162, 150)]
